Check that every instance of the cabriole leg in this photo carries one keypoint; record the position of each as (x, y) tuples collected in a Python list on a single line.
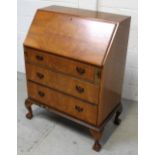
[(117, 120), (28, 105), (97, 136)]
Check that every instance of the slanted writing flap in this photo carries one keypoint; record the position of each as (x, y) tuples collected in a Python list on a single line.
[(83, 39)]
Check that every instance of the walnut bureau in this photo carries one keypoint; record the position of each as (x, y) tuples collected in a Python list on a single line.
[(75, 61)]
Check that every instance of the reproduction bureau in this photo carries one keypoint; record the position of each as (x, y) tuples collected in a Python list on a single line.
[(75, 61)]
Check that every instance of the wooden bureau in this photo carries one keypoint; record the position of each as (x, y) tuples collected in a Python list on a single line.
[(75, 61)]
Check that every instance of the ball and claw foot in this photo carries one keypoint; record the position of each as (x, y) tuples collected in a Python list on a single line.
[(97, 146), (117, 121), (29, 115)]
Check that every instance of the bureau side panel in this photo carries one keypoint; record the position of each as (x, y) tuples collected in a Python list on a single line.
[(113, 72)]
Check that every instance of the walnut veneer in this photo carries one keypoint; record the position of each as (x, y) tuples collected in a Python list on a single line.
[(75, 62)]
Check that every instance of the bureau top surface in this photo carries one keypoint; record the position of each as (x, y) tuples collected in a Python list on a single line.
[(73, 33), (86, 13)]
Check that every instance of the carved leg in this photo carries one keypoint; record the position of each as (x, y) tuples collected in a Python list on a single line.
[(117, 120), (28, 105), (97, 136)]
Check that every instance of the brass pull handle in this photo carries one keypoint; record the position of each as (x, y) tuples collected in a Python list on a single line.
[(79, 109), (41, 94), (40, 76), (39, 57), (79, 89), (80, 70)]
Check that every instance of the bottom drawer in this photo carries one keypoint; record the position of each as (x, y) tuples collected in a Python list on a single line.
[(63, 103)]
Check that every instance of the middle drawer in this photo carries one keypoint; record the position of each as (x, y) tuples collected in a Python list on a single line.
[(67, 84)]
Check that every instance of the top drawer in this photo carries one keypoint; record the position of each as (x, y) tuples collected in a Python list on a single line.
[(61, 64)]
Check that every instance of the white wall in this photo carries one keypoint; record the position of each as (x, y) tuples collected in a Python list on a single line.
[(26, 11)]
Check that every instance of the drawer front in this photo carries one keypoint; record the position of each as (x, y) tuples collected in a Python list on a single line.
[(64, 83), (63, 103), (61, 64)]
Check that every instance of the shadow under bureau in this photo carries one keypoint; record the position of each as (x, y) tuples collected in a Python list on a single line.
[(75, 61)]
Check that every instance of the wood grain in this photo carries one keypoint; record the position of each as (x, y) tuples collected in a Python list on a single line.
[(60, 64), (95, 15), (75, 62), (69, 36), (72, 86), (61, 102), (113, 72)]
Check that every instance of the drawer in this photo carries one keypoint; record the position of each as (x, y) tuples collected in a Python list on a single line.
[(61, 64), (67, 84), (63, 103)]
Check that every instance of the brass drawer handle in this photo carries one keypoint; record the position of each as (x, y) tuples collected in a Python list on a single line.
[(40, 76), (39, 57), (79, 109), (80, 70), (79, 89), (41, 94)]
